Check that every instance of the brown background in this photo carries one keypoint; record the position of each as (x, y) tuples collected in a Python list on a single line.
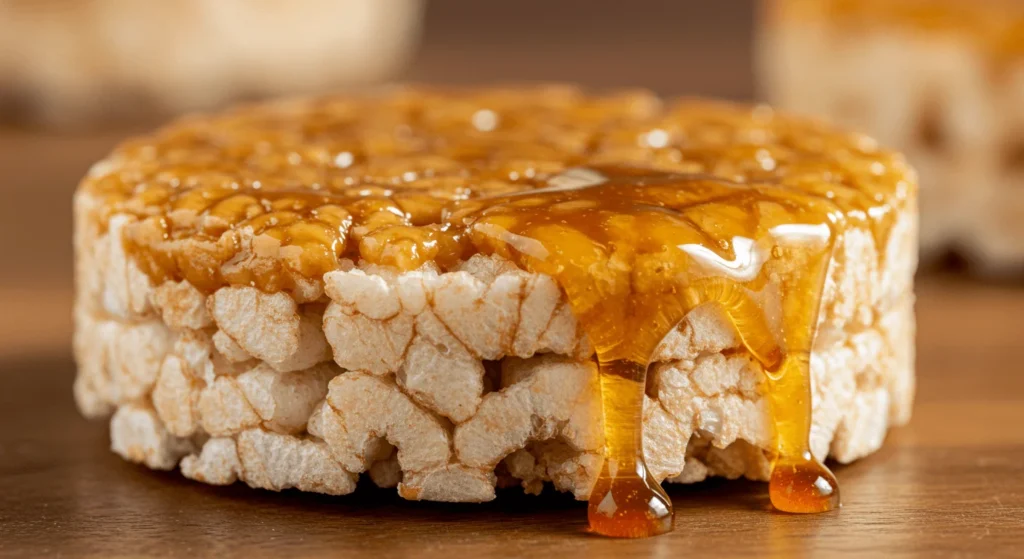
[(952, 483)]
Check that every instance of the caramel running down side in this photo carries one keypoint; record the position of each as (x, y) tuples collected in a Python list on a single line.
[(640, 211), (635, 251)]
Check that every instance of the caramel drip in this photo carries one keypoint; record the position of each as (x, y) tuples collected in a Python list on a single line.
[(641, 212), (636, 251)]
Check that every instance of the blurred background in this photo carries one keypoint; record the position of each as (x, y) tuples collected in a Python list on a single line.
[(77, 76)]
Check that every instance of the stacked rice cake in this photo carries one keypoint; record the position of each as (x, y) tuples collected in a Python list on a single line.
[(942, 80), (273, 295)]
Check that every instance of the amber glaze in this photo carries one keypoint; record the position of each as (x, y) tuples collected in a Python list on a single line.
[(996, 25), (641, 211)]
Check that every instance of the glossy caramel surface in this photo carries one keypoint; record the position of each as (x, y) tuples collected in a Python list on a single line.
[(370, 178), (640, 210)]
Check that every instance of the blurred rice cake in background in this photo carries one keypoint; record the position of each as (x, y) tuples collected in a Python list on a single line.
[(941, 79), (73, 60)]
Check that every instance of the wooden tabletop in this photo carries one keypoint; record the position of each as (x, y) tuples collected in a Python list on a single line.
[(950, 483)]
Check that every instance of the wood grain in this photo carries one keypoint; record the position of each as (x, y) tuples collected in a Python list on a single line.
[(951, 483)]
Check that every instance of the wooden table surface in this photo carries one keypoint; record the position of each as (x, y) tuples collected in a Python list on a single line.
[(949, 484)]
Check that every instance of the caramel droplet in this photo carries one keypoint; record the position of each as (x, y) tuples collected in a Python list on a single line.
[(802, 485), (626, 502)]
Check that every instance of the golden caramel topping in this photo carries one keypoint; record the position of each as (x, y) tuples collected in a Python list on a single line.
[(271, 194), (998, 25), (641, 211)]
